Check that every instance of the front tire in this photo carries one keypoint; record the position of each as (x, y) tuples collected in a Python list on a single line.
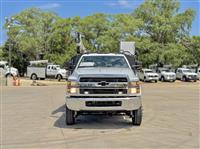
[(184, 78), (144, 80), (137, 117), (162, 79), (59, 77), (70, 118)]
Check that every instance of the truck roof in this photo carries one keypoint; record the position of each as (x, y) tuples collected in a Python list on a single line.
[(183, 68), (3, 62), (99, 54), (146, 69)]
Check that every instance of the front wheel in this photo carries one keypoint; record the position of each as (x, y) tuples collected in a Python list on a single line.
[(162, 79), (59, 77), (137, 117), (144, 79), (70, 118), (184, 79)]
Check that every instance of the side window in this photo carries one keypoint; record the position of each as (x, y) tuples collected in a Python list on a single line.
[(49, 67)]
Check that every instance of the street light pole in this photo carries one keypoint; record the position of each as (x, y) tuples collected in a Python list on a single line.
[(8, 21), (10, 56)]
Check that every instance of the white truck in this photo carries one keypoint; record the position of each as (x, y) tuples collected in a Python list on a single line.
[(41, 70), (148, 75), (185, 74), (6, 70)]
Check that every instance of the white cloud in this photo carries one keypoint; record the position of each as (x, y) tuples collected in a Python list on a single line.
[(121, 3), (50, 6)]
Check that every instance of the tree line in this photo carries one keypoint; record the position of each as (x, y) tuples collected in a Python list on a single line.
[(160, 31)]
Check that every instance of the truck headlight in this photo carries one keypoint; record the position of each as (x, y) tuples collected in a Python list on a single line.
[(134, 88), (72, 87)]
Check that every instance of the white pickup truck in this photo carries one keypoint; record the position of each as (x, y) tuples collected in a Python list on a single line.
[(41, 70), (6, 70)]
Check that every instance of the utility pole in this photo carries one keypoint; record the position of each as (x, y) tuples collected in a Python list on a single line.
[(8, 21)]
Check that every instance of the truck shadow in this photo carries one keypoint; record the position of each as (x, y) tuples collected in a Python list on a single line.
[(92, 121)]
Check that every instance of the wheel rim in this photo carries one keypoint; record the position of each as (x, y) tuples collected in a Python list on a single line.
[(34, 77), (59, 77)]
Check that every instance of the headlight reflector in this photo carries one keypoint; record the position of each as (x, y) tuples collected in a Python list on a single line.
[(134, 88), (72, 87)]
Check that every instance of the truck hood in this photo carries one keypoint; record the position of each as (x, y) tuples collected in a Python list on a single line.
[(168, 73), (62, 70), (104, 72), (152, 74), (191, 73)]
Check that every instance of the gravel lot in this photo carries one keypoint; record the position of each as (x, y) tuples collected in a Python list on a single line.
[(33, 117)]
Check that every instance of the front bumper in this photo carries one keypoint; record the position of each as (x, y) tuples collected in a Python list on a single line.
[(152, 78), (127, 103), (169, 78), (189, 78)]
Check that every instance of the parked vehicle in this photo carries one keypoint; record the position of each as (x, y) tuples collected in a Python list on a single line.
[(103, 84), (165, 72), (198, 73), (166, 75), (194, 68), (185, 74), (6, 70), (41, 70), (148, 75)]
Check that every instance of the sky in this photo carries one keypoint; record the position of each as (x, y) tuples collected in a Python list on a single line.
[(71, 8)]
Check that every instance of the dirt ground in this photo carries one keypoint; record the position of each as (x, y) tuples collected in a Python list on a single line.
[(33, 117)]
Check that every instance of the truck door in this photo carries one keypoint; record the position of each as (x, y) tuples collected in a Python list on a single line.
[(49, 70), (178, 74), (141, 74), (53, 71)]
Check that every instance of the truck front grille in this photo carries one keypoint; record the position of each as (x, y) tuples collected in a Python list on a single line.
[(85, 79), (103, 103), (103, 91)]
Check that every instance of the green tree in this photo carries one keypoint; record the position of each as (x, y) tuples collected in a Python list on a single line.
[(163, 22), (93, 27), (61, 44), (193, 48), (29, 31), (1, 52)]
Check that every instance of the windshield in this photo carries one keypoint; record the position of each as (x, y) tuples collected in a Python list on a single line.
[(166, 70), (148, 71), (187, 70), (58, 66), (103, 61)]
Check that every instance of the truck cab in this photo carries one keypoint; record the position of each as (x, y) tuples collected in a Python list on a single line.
[(148, 75), (103, 84), (186, 74), (6, 70), (166, 74)]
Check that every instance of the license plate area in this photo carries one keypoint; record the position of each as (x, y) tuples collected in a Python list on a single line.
[(103, 103)]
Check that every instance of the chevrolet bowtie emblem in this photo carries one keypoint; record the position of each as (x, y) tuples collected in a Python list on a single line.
[(103, 83)]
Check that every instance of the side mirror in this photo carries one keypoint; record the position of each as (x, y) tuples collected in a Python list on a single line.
[(136, 67)]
